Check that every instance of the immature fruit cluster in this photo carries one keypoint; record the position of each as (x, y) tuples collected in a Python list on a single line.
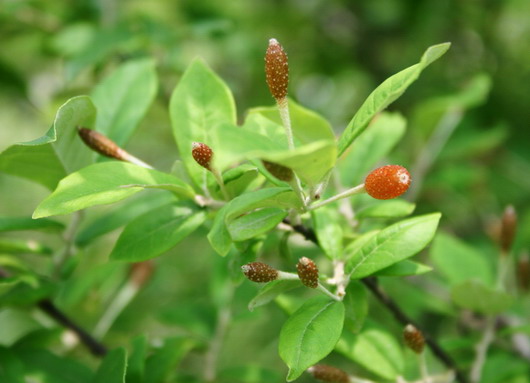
[(259, 272), (414, 339), (281, 172), (276, 70), (328, 374), (101, 144), (308, 272), (202, 154), (387, 182)]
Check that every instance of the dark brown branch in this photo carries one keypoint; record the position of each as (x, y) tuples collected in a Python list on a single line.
[(392, 306), (95, 347)]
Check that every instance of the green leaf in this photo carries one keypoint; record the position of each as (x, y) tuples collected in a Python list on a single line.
[(475, 296), (112, 369), (403, 269), (122, 99), (160, 365), (356, 306), (393, 244), (375, 349), (459, 262), (23, 246), (25, 294), (119, 216), (371, 147), (255, 223), (60, 151), (28, 223), (270, 291), (105, 183), (11, 368), (328, 230), (386, 93), (200, 101), (310, 334), (395, 208), (156, 232), (310, 161), (219, 236)]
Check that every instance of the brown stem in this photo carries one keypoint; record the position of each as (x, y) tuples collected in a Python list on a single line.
[(95, 347), (392, 306)]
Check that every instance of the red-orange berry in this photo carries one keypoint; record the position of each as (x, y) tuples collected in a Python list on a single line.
[(259, 272), (276, 70), (328, 374), (308, 272), (414, 339), (387, 182), (202, 154)]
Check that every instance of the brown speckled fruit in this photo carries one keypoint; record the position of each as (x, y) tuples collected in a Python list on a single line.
[(101, 143), (276, 70), (202, 154), (259, 272), (387, 182), (308, 272), (328, 374), (414, 339)]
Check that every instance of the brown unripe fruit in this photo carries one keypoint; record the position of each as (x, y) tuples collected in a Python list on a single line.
[(508, 228), (202, 154), (328, 374), (414, 339), (308, 272), (101, 144), (259, 272), (276, 70)]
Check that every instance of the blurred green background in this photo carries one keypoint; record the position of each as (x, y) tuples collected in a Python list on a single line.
[(339, 51)]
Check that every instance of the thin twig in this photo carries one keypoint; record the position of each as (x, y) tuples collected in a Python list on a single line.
[(210, 363), (95, 347), (392, 306), (347, 193), (69, 238), (482, 350)]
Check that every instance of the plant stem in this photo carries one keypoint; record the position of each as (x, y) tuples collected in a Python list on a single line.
[(122, 299), (424, 372), (328, 293), (432, 149), (283, 107), (68, 238), (347, 193), (223, 321), (482, 350), (135, 160), (396, 311), (91, 343), (219, 179)]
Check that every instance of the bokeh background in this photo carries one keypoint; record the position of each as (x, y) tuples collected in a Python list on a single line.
[(339, 51)]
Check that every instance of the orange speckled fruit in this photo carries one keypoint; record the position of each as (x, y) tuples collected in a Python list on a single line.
[(387, 182)]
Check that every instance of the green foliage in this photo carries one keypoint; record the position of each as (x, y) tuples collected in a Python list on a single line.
[(310, 334), (196, 312)]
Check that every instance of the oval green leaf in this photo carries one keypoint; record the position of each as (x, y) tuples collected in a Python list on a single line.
[(386, 93), (122, 99), (105, 183), (310, 334), (156, 232), (255, 223), (375, 349), (393, 244), (113, 368)]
